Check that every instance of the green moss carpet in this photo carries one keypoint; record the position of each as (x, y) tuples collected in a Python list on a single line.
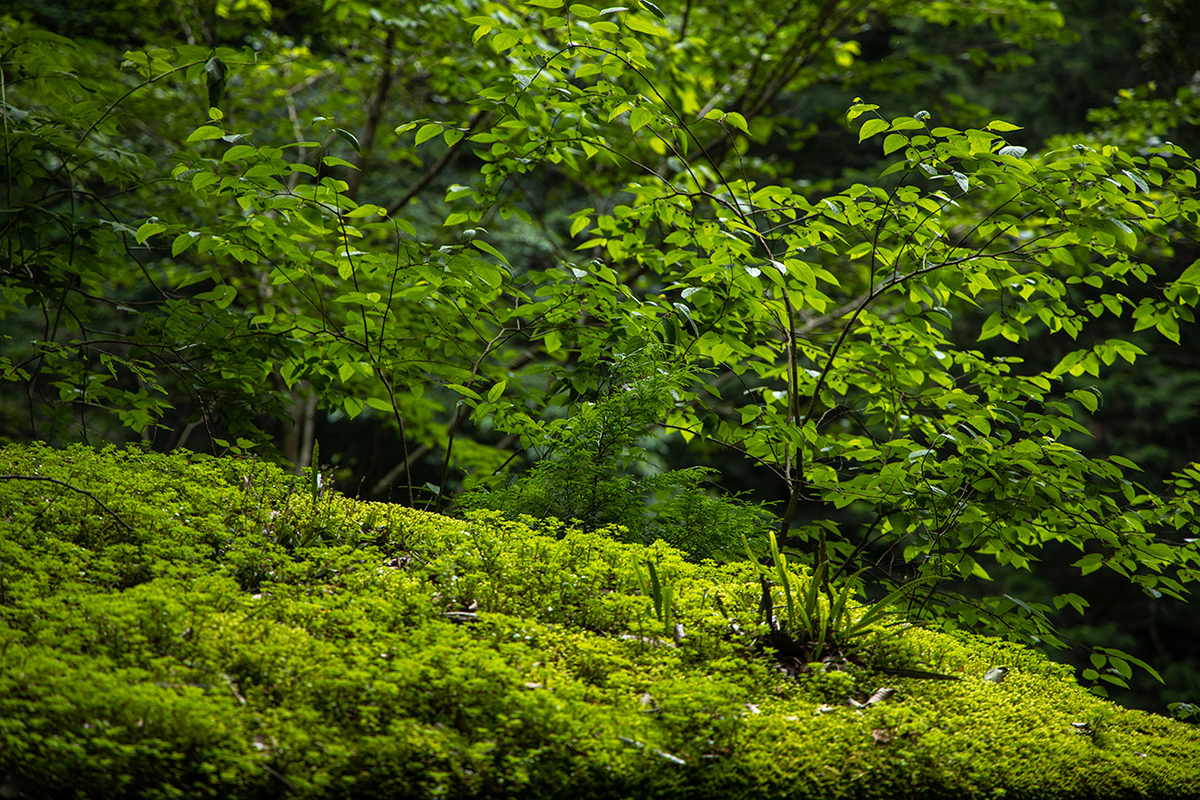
[(175, 627)]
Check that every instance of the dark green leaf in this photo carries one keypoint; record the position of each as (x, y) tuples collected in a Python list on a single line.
[(215, 73), (349, 137)]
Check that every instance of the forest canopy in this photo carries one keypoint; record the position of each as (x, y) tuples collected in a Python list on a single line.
[(840, 282)]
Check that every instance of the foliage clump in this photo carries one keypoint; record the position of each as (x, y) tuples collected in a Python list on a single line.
[(905, 341), (164, 634), (596, 472)]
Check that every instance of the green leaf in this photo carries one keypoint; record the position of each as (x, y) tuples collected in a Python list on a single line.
[(1125, 462), (482, 28), (465, 391), (653, 9), (202, 180), (872, 127), (349, 137), (1089, 563), (639, 118), (148, 229), (1122, 667), (894, 142), (334, 161), (643, 26), (1086, 398), (578, 224), (182, 242), (427, 132), (1138, 180), (1123, 656), (221, 295), (504, 41), (858, 109), (1168, 326), (239, 152), (365, 210), (487, 248), (214, 72), (380, 404), (1191, 275), (736, 120), (205, 133)]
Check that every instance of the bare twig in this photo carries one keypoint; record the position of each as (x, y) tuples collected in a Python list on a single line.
[(65, 485)]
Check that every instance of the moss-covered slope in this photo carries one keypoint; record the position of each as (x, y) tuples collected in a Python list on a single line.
[(189, 629)]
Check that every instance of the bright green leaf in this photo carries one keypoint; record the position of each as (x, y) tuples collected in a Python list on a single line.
[(205, 133), (894, 142), (427, 132), (872, 127)]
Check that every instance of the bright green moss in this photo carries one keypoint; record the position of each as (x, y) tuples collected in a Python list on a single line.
[(226, 635)]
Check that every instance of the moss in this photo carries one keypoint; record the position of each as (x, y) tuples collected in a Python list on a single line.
[(208, 628)]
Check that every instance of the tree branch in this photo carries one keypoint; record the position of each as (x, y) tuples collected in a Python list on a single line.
[(438, 166), (65, 485)]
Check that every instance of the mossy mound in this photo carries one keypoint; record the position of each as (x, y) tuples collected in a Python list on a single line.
[(207, 628)]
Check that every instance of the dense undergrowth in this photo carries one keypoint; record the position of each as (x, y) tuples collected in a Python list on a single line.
[(217, 628)]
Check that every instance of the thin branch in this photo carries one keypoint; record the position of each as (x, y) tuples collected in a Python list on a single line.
[(65, 485), (438, 166), (727, 445), (121, 99)]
